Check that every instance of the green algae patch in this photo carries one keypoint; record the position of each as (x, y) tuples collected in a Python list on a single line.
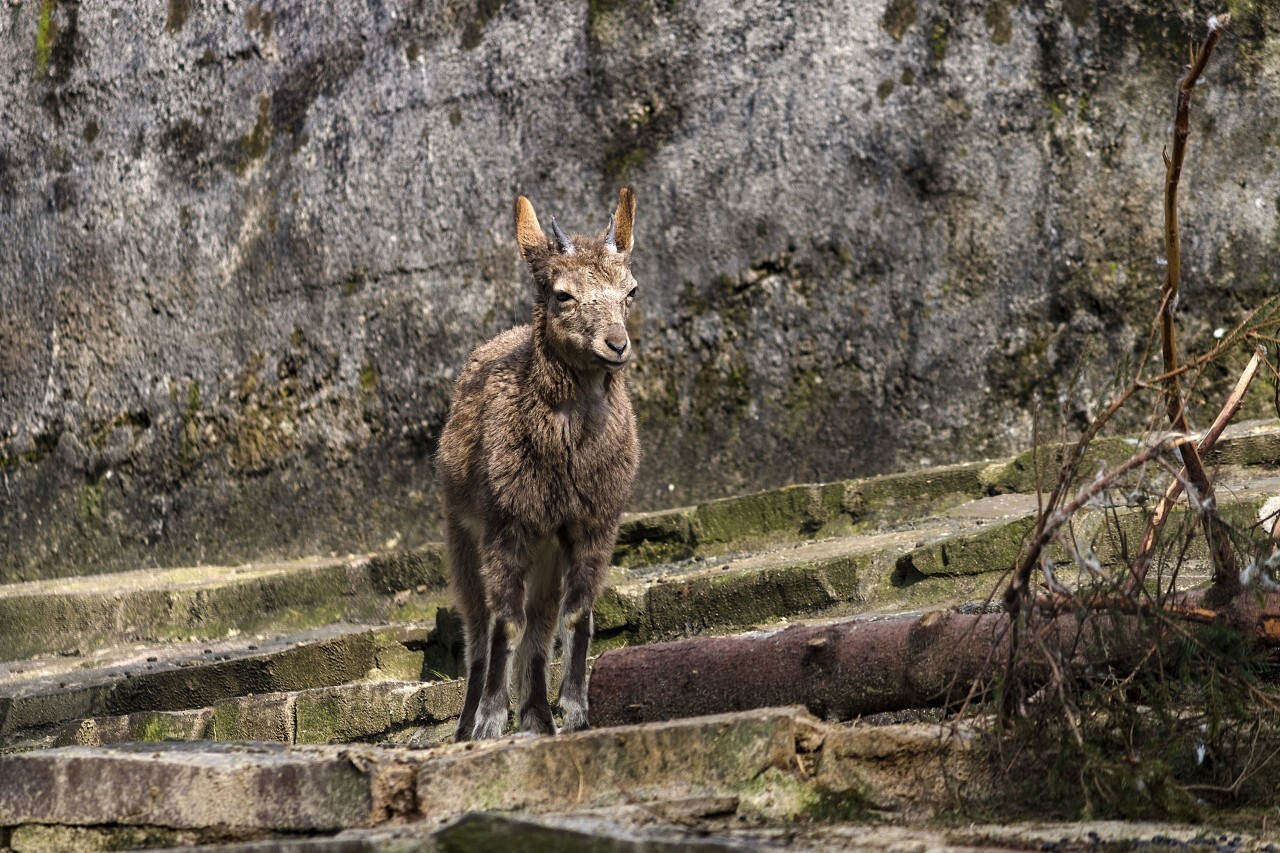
[(46, 35), (794, 514), (264, 718), (408, 570), (656, 537), (1038, 469), (992, 549), (790, 511), (170, 725), (895, 498), (750, 597)]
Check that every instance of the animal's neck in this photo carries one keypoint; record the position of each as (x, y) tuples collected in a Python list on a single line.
[(557, 382)]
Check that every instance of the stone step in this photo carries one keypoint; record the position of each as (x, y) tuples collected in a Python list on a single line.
[(614, 831), (209, 791), (797, 513), (75, 616), (423, 713), (759, 779), (1245, 444), (34, 710), (150, 693), (712, 824), (959, 557)]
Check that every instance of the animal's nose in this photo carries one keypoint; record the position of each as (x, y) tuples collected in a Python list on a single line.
[(616, 341)]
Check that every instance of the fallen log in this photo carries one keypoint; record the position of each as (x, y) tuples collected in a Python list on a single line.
[(848, 669), (839, 670)]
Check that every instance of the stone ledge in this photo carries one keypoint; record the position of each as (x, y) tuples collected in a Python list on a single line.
[(185, 786), (175, 682), (267, 788), (76, 615)]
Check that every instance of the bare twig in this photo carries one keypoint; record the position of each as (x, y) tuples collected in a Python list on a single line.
[(1051, 520), (1219, 544), (1142, 561)]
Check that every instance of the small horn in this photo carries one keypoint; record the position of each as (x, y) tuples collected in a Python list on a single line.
[(565, 244), (610, 239)]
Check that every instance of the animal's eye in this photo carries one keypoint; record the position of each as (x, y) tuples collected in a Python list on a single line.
[(562, 296)]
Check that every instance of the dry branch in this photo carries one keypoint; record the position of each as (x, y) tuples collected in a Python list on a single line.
[(1142, 561), (1224, 573)]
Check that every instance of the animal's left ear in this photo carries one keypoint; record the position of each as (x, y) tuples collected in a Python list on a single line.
[(621, 235)]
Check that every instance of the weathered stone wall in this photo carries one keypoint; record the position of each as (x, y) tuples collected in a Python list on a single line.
[(246, 247)]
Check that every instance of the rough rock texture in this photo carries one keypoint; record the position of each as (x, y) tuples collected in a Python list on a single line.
[(247, 246)]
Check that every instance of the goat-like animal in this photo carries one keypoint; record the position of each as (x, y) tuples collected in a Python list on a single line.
[(536, 461)]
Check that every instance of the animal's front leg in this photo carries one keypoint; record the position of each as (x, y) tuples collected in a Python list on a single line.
[(542, 607), (587, 572), (504, 583), (491, 717), (578, 629)]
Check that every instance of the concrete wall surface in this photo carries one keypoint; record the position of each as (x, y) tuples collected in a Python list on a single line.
[(245, 247)]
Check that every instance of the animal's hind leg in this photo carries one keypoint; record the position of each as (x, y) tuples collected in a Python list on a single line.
[(468, 592), (542, 605)]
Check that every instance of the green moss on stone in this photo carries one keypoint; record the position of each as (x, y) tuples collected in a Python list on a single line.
[(615, 611), (655, 538), (999, 22), (46, 35), (796, 511), (257, 142), (894, 498), (898, 17), (91, 503), (394, 660), (1260, 446), (265, 718), (1020, 473), (939, 36), (41, 838), (993, 548), (406, 570), (742, 599), (368, 379), (162, 725)]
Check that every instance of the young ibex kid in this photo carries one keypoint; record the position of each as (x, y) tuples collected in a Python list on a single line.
[(536, 461)]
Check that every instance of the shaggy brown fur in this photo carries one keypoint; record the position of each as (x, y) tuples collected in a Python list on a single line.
[(537, 460)]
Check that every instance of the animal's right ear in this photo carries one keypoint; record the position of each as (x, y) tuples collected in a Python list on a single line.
[(528, 232)]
